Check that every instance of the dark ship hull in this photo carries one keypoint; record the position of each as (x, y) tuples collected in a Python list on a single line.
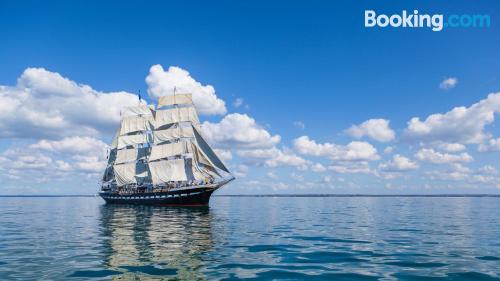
[(195, 196)]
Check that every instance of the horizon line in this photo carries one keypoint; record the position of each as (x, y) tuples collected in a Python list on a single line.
[(288, 195)]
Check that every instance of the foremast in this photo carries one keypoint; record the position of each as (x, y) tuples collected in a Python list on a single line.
[(158, 148)]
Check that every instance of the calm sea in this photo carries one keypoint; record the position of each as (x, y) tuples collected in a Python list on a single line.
[(318, 238)]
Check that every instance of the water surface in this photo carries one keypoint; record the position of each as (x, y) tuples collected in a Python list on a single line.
[(318, 238)]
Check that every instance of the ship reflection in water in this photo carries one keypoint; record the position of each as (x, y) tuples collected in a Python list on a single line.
[(142, 242)]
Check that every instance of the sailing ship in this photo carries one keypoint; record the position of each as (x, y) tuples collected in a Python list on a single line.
[(159, 157)]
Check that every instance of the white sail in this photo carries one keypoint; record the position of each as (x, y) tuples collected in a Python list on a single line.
[(132, 124), (144, 110), (206, 167), (168, 150), (172, 134), (129, 155), (133, 140), (167, 170), (175, 99), (175, 115), (208, 152), (125, 174), (194, 171)]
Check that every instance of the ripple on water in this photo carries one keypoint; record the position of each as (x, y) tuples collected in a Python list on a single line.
[(271, 248), (268, 266), (412, 264), (244, 238), (488, 258), (294, 275), (151, 270), (94, 273), (456, 276), (328, 239), (323, 257)]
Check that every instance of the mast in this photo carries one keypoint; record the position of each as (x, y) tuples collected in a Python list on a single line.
[(132, 146), (162, 147)]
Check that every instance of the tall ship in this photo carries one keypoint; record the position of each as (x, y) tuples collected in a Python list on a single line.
[(159, 157)]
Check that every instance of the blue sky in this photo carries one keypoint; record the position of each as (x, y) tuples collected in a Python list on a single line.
[(312, 62)]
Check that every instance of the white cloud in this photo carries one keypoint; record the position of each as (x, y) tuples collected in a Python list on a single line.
[(58, 160), (297, 177), (238, 102), (448, 83), (351, 168), (490, 145), (377, 129), (452, 147), (354, 151), (486, 175), (318, 168), (432, 156), (72, 145), (388, 150), (487, 169), (299, 125), (26, 166), (238, 131), (272, 175), (19, 159), (274, 157), (460, 125), (398, 164), (224, 155), (447, 175), (44, 104), (240, 171), (162, 83), (89, 164), (87, 154)]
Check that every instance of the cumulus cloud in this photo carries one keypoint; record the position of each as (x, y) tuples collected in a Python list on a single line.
[(28, 165), (488, 170), (162, 83), (351, 168), (432, 156), (274, 157), (459, 125), (318, 168), (448, 83), (19, 159), (224, 155), (398, 163), (377, 129), (72, 145), (238, 131), (72, 154), (240, 171), (85, 154), (354, 151), (490, 145), (44, 104), (486, 175), (452, 147)]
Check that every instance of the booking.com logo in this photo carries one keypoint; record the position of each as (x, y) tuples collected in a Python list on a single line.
[(436, 22)]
